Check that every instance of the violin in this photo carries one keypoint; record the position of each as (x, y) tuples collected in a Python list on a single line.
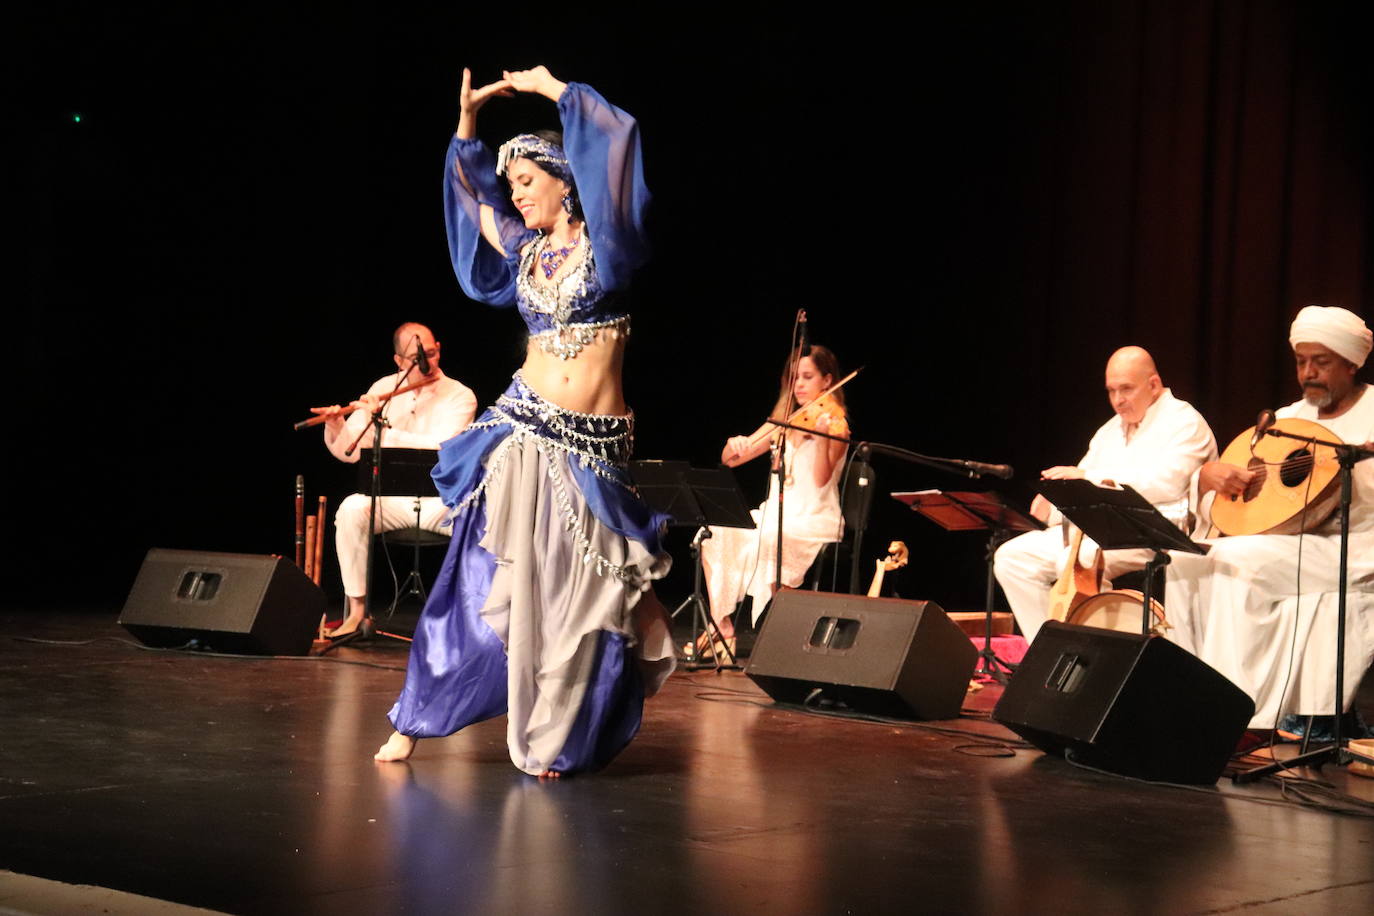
[(808, 415), (827, 405)]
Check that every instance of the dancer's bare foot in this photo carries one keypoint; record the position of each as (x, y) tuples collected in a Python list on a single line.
[(549, 774), (397, 747)]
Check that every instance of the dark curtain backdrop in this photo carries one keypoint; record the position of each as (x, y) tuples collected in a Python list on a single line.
[(978, 204), (1200, 174)]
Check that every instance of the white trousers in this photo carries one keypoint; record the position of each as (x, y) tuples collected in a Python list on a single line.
[(1244, 610), (1028, 564), (393, 512)]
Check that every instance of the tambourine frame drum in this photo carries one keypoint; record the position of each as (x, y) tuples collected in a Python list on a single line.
[(1119, 610)]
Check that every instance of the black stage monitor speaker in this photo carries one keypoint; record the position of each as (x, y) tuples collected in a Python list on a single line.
[(882, 656), (230, 602), (1135, 705)]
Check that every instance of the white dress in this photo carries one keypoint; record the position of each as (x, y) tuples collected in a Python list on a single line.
[(743, 561)]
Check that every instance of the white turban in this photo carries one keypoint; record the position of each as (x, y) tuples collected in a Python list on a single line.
[(1337, 329)]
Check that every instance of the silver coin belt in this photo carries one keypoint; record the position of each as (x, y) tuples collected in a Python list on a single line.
[(566, 341)]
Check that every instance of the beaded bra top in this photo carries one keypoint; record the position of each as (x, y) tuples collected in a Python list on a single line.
[(565, 318)]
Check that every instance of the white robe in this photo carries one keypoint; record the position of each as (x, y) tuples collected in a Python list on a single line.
[(1269, 625), (1158, 462)]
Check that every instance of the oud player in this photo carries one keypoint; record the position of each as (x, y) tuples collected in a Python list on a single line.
[(1154, 442), (1237, 608)]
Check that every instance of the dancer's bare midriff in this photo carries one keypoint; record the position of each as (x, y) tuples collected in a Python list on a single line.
[(588, 383)]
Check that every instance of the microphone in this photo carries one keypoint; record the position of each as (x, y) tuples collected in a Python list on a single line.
[(1265, 420), (421, 357), (804, 341), (979, 469)]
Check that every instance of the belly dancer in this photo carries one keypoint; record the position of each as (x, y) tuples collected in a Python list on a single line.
[(544, 609)]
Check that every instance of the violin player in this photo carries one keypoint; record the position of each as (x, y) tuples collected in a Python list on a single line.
[(742, 562)]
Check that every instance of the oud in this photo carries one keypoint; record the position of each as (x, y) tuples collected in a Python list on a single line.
[(1295, 484)]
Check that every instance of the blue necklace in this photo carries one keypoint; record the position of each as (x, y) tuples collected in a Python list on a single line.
[(550, 261)]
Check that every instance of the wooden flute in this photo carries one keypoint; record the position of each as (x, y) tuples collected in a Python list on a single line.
[(321, 418)]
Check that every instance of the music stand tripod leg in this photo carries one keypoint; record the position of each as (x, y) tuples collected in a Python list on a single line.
[(1147, 599), (988, 662), (702, 622), (414, 584), (367, 629)]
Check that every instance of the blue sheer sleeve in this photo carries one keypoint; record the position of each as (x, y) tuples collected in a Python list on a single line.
[(602, 145), (482, 272)]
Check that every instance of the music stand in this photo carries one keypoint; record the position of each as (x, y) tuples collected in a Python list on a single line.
[(962, 511), (1120, 519), (405, 472), (695, 498), (382, 472)]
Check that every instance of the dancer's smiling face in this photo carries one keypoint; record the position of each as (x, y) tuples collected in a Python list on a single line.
[(537, 195)]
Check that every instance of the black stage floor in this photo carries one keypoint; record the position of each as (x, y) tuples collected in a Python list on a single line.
[(247, 786)]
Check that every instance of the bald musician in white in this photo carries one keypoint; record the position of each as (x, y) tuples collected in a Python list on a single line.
[(1253, 602), (1155, 443), (422, 418)]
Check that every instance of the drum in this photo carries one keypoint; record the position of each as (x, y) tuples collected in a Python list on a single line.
[(1118, 610)]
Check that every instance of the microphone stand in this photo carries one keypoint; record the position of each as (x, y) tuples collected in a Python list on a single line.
[(998, 533), (961, 466), (377, 422), (1338, 751), (780, 472), (976, 512)]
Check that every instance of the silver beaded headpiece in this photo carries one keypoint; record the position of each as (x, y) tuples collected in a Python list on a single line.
[(535, 148)]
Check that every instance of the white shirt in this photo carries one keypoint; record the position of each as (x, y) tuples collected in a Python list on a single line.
[(1166, 449), (423, 418)]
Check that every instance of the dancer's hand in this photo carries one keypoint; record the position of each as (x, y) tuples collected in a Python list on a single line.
[(470, 101), (538, 80)]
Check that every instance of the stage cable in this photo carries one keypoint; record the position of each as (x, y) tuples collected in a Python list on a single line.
[(987, 746), (1341, 802)]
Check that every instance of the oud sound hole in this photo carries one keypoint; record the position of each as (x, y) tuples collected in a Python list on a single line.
[(1295, 467), (1252, 489)]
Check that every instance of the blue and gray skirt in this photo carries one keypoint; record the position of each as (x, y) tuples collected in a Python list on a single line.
[(543, 609)]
